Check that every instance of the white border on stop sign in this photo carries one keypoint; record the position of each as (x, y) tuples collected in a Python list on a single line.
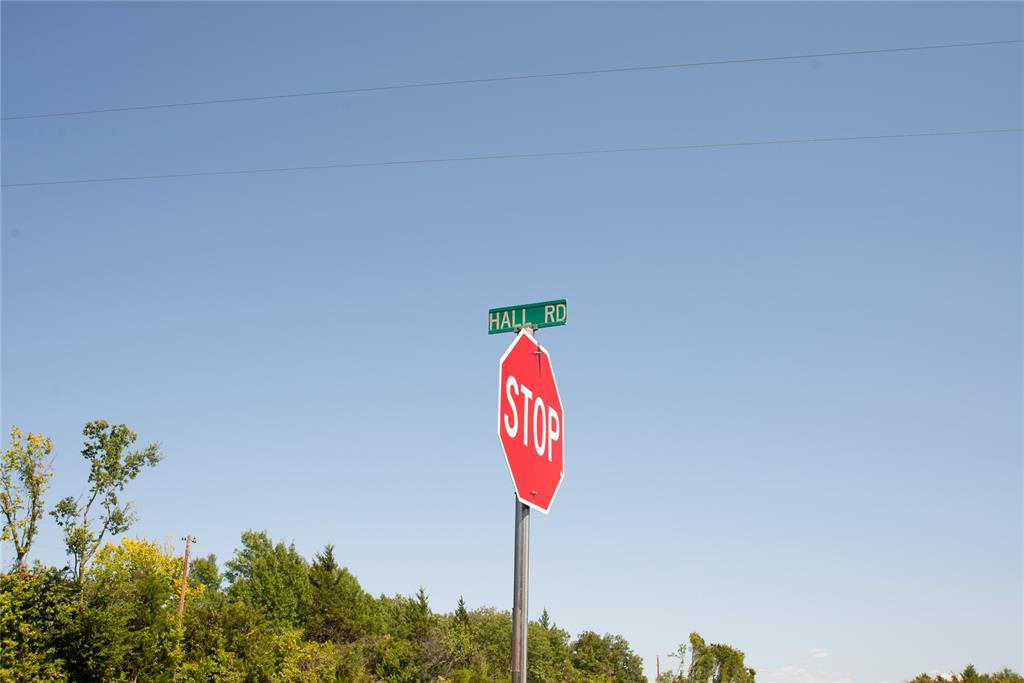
[(554, 379)]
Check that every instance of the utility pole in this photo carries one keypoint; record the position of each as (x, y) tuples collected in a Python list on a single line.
[(189, 540)]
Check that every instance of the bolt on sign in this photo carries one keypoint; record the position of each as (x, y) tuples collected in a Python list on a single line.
[(514, 318), (531, 424)]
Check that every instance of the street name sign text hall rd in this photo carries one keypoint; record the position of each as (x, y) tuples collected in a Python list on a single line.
[(512, 318)]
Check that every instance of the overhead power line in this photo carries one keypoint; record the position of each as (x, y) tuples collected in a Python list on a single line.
[(520, 77), (502, 157)]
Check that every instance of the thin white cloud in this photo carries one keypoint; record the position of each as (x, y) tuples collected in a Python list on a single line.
[(818, 653)]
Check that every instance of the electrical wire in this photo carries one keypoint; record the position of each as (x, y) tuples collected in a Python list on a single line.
[(498, 79), (502, 157)]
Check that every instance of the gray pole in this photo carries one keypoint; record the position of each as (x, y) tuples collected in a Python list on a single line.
[(521, 584), (520, 591)]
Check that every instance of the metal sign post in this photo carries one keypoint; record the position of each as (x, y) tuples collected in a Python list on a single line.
[(520, 592)]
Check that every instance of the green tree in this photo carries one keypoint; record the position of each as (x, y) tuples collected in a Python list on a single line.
[(550, 657), (272, 577), (461, 613), (448, 647), (1006, 675), (207, 644), (230, 641), (303, 662), (37, 611), (111, 467), (203, 570), (249, 643), (491, 631), (135, 586), (970, 675), (606, 659), (340, 611), (407, 624), (470, 647), (24, 477), (714, 663), (398, 660)]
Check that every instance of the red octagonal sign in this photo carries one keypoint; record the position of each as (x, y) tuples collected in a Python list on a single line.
[(531, 426)]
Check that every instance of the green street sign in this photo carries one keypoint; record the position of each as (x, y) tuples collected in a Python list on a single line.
[(512, 318)]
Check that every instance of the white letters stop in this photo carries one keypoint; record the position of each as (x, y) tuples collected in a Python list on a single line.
[(541, 426)]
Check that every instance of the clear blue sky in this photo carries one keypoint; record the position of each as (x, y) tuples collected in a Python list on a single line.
[(791, 375)]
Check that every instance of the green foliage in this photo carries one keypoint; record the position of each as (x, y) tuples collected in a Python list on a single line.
[(397, 661), (461, 613), (406, 624), (449, 645), (225, 641), (469, 646), (606, 658), (134, 589), (24, 477), (971, 675), (280, 620), (550, 658), (273, 578), (37, 610), (218, 666), (111, 467), (339, 611), (128, 629), (492, 638), (355, 661), (206, 652), (301, 661), (715, 663), (232, 640), (203, 571)]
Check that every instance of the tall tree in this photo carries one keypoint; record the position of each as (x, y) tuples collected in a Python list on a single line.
[(272, 577), (203, 570), (24, 477), (550, 659), (340, 610), (461, 614), (606, 658), (714, 663), (134, 595), (111, 466)]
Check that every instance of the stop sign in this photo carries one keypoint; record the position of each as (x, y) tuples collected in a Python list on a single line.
[(531, 426)]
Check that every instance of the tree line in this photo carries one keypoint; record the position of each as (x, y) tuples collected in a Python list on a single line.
[(115, 611)]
